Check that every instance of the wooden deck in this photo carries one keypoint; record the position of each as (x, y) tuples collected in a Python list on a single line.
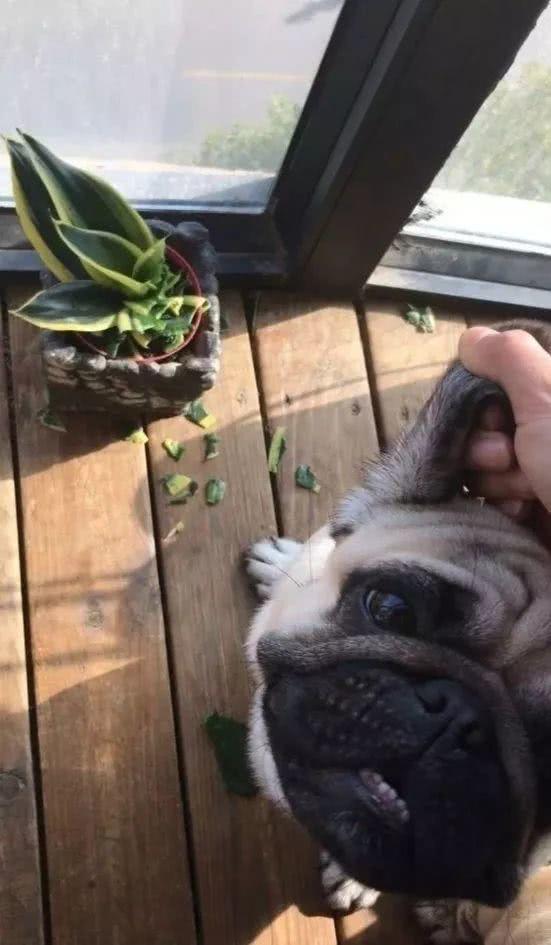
[(114, 826)]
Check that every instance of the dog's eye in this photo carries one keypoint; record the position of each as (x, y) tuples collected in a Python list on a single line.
[(388, 611)]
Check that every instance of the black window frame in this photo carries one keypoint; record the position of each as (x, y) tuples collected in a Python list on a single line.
[(398, 85)]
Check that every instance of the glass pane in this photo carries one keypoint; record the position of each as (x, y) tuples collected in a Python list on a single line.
[(183, 100), (496, 186)]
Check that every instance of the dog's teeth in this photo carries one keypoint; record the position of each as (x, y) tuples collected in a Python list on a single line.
[(385, 795)]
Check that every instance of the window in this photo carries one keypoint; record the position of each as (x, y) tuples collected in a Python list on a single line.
[(301, 132), (179, 101), (487, 215)]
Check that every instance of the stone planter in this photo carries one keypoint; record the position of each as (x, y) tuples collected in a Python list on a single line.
[(79, 379)]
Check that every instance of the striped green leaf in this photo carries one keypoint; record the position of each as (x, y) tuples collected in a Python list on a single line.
[(150, 264), (34, 208), (74, 306), (106, 258), (85, 200)]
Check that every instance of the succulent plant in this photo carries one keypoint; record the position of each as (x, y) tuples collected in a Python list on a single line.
[(115, 284)]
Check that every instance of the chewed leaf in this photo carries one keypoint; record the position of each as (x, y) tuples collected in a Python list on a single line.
[(421, 317), (278, 446), (138, 436), (305, 478), (215, 490), (49, 419), (179, 486), (173, 533), (229, 740), (173, 448), (212, 442), (72, 306), (199, 415)]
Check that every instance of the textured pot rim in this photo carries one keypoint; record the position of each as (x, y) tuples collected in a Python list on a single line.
[(179, 262)]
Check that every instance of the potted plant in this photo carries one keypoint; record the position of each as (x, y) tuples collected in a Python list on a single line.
[(129, 310)]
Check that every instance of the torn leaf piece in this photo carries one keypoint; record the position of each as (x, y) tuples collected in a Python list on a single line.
[(173, 448), (51, 420), (229, 740), (177, 530), (199, 415), (421, 317), (278, 446), (305, 477), (138, 436), (215, 490), (179, 486), (212, 441)]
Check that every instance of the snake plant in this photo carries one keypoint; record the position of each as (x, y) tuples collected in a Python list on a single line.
[(114, 283)]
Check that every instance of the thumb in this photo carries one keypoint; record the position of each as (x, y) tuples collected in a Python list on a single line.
[(515, 361)]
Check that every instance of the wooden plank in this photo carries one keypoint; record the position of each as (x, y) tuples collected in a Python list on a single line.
[(113, 813), (21, 919), (314, 383), (252, 867), (406, 364)]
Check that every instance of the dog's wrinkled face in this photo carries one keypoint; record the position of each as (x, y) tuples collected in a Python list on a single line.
[(403, 709)]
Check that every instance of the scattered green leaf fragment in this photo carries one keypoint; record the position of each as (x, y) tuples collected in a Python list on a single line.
[(305, 477), (421, 317), (212, 442), (229, 740), (173, 449), (278, 446), (179, 486), (138, 436), (198, 414), (173, 533), (215, 490), (49, 419)]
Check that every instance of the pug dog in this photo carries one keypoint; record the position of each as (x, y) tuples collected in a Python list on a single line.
[(402, 665)]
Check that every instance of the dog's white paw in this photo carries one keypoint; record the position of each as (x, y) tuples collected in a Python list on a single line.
[(267, 561), (342, 893), (444, 922)]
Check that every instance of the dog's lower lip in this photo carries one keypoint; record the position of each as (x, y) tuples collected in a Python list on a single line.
[(383, 797)]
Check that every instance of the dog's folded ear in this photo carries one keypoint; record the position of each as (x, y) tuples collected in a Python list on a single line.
[(426, 464)]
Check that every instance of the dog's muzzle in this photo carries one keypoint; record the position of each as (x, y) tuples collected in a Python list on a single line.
[(397, 773)]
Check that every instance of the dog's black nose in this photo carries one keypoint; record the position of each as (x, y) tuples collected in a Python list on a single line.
[(355, 713), (443, 698)]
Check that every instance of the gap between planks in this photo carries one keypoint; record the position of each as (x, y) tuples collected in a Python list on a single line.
[(22, 919), (255, 871)]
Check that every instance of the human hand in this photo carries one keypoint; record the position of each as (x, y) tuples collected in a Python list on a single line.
[(512, 471)]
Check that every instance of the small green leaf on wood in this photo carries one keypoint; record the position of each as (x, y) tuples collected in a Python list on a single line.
[(173, 533), (173, 448), (49, 419), (305, 478), (138, 436), (278, 446), (229, 740), (212, 442), (179, 487), (421, 317), (215, 490), (197, 413)]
